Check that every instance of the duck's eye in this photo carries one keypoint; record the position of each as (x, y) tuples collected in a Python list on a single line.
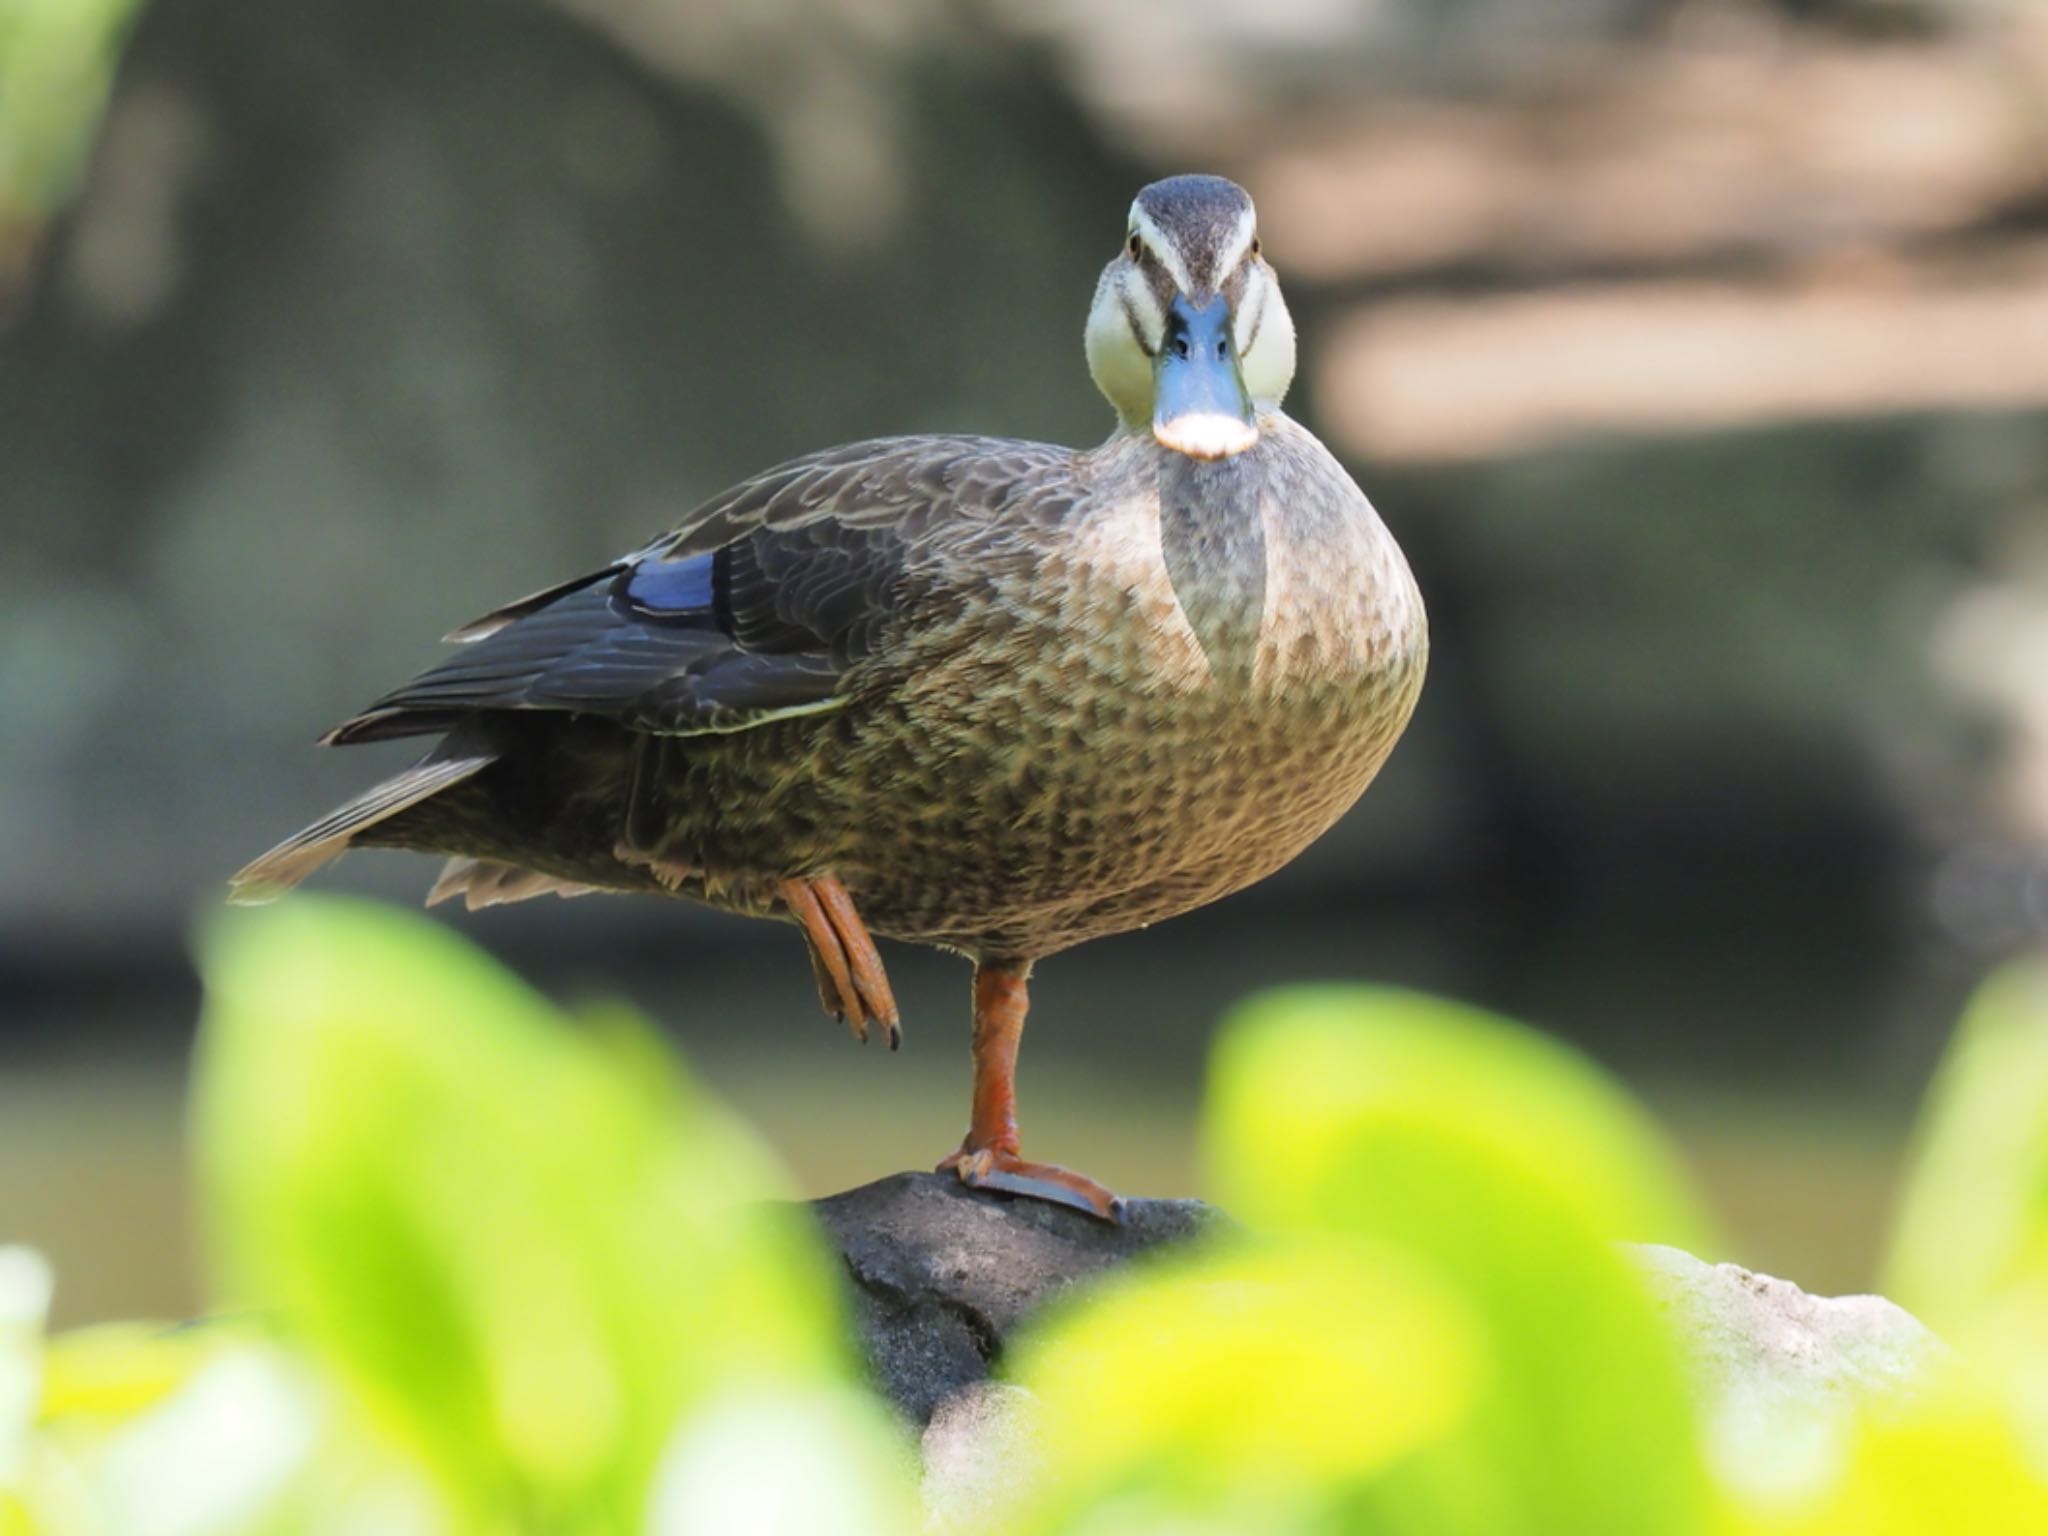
[(1255, 247), (1135, 246)]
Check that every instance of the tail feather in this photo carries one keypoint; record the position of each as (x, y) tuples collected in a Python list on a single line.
[(481, 883), (455, 877), (299, 855)]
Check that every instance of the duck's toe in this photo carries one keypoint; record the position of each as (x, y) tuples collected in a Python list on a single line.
[(1006, 1173), (852, 986)]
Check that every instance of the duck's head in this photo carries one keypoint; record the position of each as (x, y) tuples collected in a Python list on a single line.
[(1189, 337)]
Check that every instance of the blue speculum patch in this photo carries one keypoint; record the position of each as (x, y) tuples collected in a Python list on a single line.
[(672, 586)]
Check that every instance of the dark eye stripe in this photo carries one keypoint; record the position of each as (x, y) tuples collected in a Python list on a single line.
[(1258, 319), (1164, 289), (1131, 319)]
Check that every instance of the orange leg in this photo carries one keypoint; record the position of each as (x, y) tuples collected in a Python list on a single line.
[(851, 982), (989, 1157)]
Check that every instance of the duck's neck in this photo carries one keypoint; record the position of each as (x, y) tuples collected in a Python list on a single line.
[(1212, 533)]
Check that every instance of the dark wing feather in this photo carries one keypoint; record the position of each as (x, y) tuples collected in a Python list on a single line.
[(752, 610), (533, 602)]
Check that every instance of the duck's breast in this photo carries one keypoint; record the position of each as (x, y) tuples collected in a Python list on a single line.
[(1177, 691), (1263, 585)]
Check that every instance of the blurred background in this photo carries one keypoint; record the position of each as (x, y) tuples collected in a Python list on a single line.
[(1696, 352)]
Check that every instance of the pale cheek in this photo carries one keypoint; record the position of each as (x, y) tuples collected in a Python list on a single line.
[(1269, 362), (1248, 325), (1132, 380), (1121, 371), (1267, 371)]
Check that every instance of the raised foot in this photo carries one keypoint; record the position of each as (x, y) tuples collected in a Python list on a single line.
[(852, 985), (1009, 1174)]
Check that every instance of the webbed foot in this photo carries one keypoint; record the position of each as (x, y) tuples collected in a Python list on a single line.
[(1005, 1172)]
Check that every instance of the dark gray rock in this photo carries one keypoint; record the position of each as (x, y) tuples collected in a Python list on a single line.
[(942, 1275)]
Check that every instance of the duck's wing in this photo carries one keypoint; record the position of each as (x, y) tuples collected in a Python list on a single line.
[(752, 610)]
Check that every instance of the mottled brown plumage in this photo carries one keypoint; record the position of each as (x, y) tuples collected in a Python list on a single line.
[(1009, 696)]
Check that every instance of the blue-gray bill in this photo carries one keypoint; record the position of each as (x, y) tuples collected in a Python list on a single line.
[(1199, 403)]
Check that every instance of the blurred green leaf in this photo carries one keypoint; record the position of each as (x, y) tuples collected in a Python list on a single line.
[(56, 61), (1505, 1167), (537, 1264), (1245, 1390), (529, 1252), (1320, 1097), (1950, 1461), (25, 1286), (1969, 1251), (110, 1373), (212, 1430), (217, 1455), (1971, 1241)]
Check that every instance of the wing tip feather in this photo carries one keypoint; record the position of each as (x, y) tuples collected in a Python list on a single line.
[(266, 878), (283, 868)]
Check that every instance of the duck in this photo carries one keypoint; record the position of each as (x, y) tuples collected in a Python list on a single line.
[(992, 696)]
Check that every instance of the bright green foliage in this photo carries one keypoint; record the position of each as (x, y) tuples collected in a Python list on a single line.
[(1950, 1461), (1972, 1238), (1438, 1333), (490, 1272), (1281, 1387), (110, 1374), (24, 1304), (1970, 1256), (527, 1252), (1462, 1140), (1323, 1100), (56, 60), (1970, 1453)]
